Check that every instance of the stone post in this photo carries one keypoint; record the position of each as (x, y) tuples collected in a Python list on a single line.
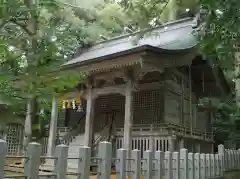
[(104, 166), (84, 162), (60, 169), (185, 162), (121, 164), (3, 151), (32, 163)]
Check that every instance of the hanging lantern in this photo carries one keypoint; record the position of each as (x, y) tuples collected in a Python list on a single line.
[(80, 108), (73, 104), (79, 102)]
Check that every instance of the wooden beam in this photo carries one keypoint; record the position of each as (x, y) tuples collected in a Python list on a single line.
[(168, 60)]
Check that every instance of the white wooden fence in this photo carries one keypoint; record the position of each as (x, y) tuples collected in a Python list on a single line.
[(176, 165)]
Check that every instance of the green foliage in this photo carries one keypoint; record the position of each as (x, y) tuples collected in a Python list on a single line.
[(219, 36), (149, 13), (220, 32), (36, 40)]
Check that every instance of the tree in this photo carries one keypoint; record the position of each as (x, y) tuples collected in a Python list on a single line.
[(219, 37), (152, 13), (37, 37)]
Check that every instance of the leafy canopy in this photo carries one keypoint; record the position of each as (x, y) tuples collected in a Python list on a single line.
[(220, 33), (37, 39)]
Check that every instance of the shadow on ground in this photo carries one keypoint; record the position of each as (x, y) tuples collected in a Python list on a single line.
[(231, 175)]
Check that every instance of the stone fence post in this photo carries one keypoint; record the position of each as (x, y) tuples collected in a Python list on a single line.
[(3, 152), (184, 163), (222, 162), (84, 162), (32, 162), (61, 153), (105, 163)]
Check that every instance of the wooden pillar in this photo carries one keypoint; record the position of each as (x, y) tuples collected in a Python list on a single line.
[(181, 143), (88, 138), (172, 143), (127, 139), (198, 147), (182, 102), (52, 128)]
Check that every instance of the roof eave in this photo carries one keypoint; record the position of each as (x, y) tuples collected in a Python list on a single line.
[(125, 53)]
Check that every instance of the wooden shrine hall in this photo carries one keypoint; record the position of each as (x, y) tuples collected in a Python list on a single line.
[(145, 95)]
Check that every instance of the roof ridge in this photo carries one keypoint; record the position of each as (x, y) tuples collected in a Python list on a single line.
[(145, 30)]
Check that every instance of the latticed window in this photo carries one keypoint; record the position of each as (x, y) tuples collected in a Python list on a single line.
[(62, 118), (107, 108), (173, 107), (147, 108), (14, 138)]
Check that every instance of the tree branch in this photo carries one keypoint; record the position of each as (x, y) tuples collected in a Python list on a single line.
[(23, 27), (3, 23)]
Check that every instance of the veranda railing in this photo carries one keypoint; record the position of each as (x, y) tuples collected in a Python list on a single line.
[(176, 165)]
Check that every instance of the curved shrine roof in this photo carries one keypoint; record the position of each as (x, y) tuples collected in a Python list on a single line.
[(174, 36)]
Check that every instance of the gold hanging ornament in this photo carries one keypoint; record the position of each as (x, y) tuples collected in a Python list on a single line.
[(64, 104), (68, 104), (79, 102), (78, 98), (73, 104)]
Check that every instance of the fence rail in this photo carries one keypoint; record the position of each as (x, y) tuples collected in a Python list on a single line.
[(176, 165)]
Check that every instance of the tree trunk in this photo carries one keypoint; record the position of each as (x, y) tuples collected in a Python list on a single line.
[(28, 122), (32, 25), (237, 91), (237, 82)]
